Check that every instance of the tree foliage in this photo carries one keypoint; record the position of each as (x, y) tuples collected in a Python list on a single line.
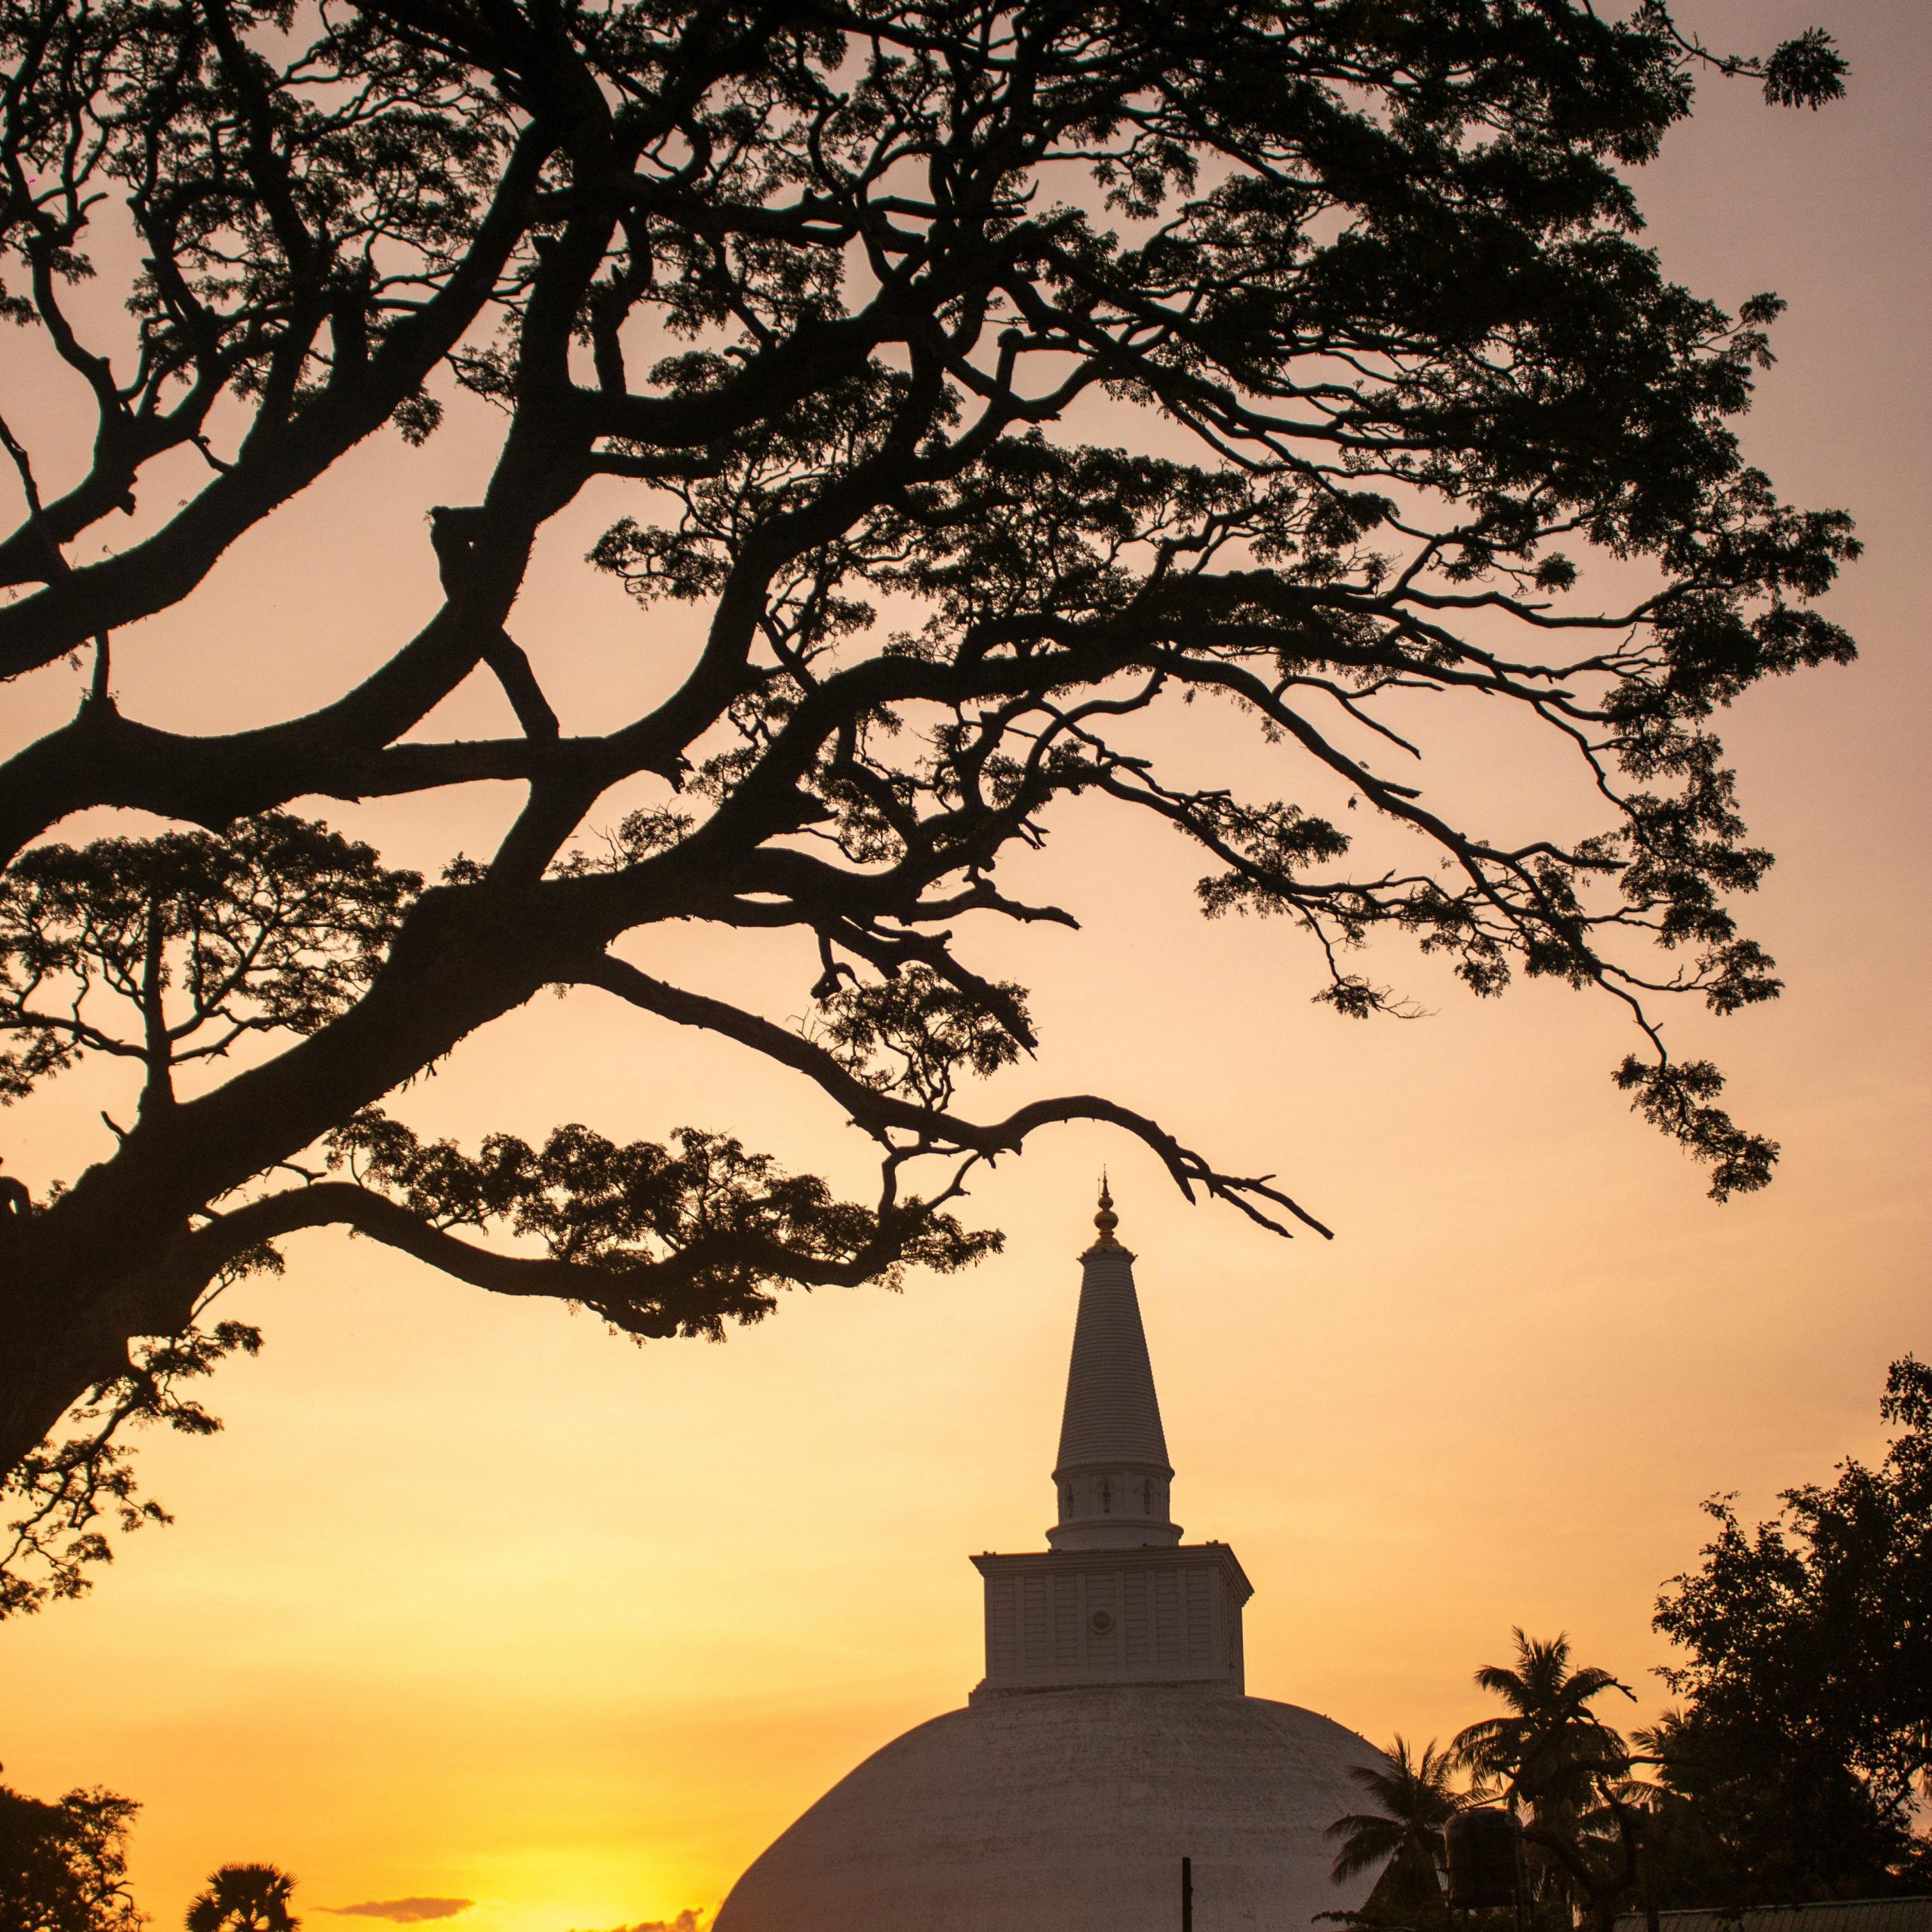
[(988, 381), (1552, 1756), (1791, 1768), (1549, 1750), (243, 1898), (1794, 1771), (275, 927), (1401, 1840), (63, 1865)]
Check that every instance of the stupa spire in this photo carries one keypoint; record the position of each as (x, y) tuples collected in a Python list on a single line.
[(1111, 1475), (1118, 1599)]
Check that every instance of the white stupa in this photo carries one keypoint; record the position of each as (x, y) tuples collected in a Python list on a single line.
[(1111, 1735)]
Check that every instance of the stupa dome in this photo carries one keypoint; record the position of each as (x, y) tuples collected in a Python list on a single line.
[(1110, 1738), (1070, 1811)]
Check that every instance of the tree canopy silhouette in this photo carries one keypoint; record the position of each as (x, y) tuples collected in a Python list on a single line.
[(1800, 1762), (63, 1865), (991, 380), (1551, 1749), (243, 1898), (1797, 1768), (1554, 1757), (1401, 1840)]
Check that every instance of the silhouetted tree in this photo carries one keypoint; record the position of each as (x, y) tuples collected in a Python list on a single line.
[(1555, 1758), (834, 290), (1790, 1771), (243, 1898), (1551, 1748), (63, 1865), (1401, 1839), (1795, 1768)]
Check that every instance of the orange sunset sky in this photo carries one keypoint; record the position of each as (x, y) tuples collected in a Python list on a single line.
[(472, 1600)]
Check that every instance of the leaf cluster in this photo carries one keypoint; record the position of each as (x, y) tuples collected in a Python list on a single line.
[(662, 1239), (169, 950), (70, 1490), (1805, 1740), (63, 1864)]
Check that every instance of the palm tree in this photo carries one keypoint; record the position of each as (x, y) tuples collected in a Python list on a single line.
[(244, 1898), (1403, 1835), (1551, 1750)]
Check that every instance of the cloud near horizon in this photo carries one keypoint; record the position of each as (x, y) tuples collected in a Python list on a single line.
[(404, 1911)]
